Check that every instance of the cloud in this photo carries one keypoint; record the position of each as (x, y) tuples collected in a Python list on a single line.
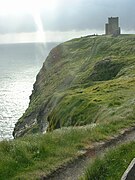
[(89, 14), (68, 15), (15, 24)]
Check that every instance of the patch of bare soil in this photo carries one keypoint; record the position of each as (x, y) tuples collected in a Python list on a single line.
[(74, 169)]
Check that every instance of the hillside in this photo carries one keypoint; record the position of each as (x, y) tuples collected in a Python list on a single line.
[(83, 81)]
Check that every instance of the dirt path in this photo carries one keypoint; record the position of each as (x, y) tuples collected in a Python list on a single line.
[(74, 170)]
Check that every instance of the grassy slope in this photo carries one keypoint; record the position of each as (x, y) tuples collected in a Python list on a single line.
[(34, 156), (112, 165), (73, 89)]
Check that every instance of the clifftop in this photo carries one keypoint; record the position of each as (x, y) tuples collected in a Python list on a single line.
[(83, 81)]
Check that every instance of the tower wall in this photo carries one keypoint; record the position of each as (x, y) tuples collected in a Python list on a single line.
[(107, 29), (113, 26)]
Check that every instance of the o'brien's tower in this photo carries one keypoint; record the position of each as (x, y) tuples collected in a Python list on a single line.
[(112, 27)]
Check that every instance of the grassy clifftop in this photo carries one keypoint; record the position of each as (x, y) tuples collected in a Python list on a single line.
[(87, 82), (83, 81)]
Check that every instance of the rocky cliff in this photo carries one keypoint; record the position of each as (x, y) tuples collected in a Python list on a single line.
[(83, 81)]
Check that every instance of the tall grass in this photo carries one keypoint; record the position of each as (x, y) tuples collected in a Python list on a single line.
[(34, 156), (112, 165)]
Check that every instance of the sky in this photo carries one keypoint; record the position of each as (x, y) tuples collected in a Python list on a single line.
[(60, 20)]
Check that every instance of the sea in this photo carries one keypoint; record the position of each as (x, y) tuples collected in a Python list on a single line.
[(19, 65)]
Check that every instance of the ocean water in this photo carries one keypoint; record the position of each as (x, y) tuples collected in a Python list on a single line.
[(19, 65)]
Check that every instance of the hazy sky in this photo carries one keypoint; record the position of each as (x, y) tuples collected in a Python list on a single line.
[(59, 20)]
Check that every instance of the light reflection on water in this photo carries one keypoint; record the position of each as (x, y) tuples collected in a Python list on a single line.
[(19, 65), (15, 88)]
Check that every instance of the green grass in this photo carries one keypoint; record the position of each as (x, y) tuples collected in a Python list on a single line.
[(112, 165), (83, 81), (102, 102), (77, 86), (34, 156)]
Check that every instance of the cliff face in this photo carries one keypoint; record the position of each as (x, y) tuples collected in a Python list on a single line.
[(85, 80)]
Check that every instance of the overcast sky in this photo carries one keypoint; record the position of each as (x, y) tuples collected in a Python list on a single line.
[(60, 20)]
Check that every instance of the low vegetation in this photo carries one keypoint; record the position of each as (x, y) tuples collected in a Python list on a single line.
[(84, 82), (33, 157), (112, 165)]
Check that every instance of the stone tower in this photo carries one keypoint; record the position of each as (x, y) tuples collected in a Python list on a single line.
[(112, 27)]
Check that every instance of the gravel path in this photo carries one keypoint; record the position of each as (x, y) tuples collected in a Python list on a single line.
[(74, 170)]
